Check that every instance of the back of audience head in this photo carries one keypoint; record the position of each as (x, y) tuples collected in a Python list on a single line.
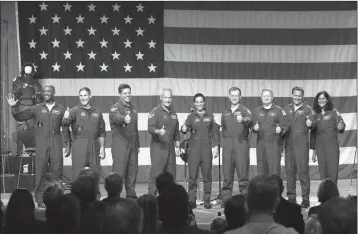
[(164, 180), (279, 181), (327, 190), (173, 205), (149, 205), (51, 192), (63, 214), (85, 189), (125, 217), (1, 216), (19, 211), (218, 225), (338, 215), (262, 194), (113, 184), (235, 212)]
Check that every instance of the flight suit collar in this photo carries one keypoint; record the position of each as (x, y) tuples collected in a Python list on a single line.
[(197, 114), (122, 103), (304, 104), (43, 103), (239, 108), (170, 110), (82, 107), (272, 107)]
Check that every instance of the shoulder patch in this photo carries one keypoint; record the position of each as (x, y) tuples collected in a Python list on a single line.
[(151, 115), (114, 108)]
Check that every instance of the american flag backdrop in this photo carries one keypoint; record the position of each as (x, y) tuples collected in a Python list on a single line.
[(194, 47)]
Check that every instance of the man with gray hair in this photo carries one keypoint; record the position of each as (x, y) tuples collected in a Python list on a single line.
[(163, 126)]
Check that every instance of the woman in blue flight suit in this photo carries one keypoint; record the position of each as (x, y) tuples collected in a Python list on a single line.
[(327, 123)]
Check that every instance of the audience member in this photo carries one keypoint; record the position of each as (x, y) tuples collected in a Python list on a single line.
[(124, 217), (51, 192), (19, 217), (114, 186), (173, 204), (218, 225), (1, 216), (262, 199), (164, 180), (352, 198), (87, 171), (326, 190), (287, 213), (235, 212), (63, 215), (84, 188), (338, 215), (149, 205)]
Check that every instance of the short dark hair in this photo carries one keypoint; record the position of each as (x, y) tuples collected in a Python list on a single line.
[(235, 212), (121, 87), (279, 181), (199, 95), (173, 205), (149, 205), (164, 180), (327, 189), (297, 88), (262, 193), (84, 188), (329, 105), (113, 184), (338, 215), (85, 89), (125, 217), (234, 88), (51, 192)]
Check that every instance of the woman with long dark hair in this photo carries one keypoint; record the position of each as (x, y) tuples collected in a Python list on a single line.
[(149, 205), (19, 216), (327, 123)]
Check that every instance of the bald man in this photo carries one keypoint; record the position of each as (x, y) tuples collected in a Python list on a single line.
[(47, 116)]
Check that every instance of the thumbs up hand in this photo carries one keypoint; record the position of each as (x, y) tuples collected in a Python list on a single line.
[(184, 129), (256, 126), (128, 118), (308, 122), (162, 131), (340, 125), (278, 129), (67, 113)]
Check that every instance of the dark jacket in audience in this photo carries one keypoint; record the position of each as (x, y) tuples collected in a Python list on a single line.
[(327, 189), (289, 214)]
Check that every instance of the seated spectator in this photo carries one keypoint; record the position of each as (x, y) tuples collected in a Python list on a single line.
[(19, 216), (173, 204), (338, 215), (114, 186), (235, 212), (87, 171), (1, 216), (63, 215), (287, 213), (352, 198), (149, 205), (124, 216), (326, 190), (262, 199), (218, 225), (84, 188), (51, 192)]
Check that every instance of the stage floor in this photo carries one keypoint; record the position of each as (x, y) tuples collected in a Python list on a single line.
[(204, 216)]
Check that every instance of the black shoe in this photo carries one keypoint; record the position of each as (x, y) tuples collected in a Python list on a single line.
[(207, 205), (305, 204), (193, 204)]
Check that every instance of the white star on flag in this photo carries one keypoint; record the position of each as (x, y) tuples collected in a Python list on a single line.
[(32, 19), (139, 31), (43, 31), (115, 31), (43, 6), (104, 19), (116, 7), (140, 7), (128, 20), (32, 44), (67, 31), (92, 55), (80, 43), (91, 31), (56, 67), (80, 67), (128, 44), (139, 55), (80, 19), (56, 19), (151, 20), (103, 43), (128, 68), (91, 7), (115, 55), (67, 55), (55, 43), (103, 67), (152, 44), (43, 55), (67, 7), (152, 68)]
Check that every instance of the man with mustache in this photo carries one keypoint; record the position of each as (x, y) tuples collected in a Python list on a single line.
[(48, 116)]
